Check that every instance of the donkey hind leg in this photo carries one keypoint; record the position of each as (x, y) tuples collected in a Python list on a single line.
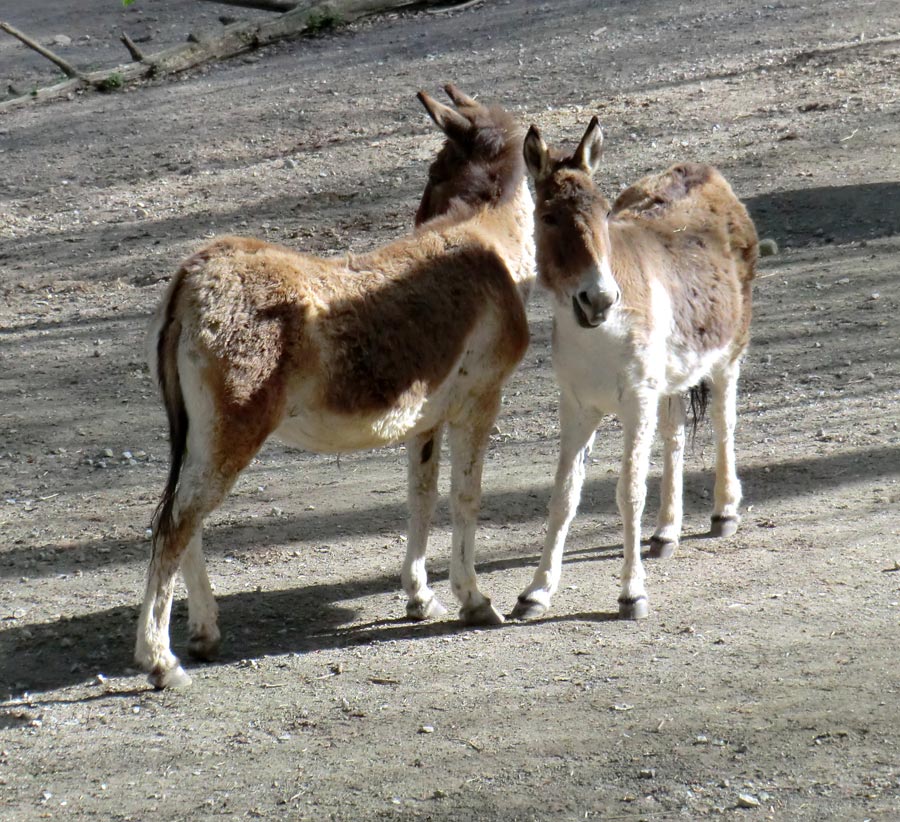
[(424, 458), (638, 418), (468, 443), (198, 494), (203, 613), (668, 524), (576, 426), (727, 496)]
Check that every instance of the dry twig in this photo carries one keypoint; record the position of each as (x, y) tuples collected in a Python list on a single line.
[(136, 54), (68, 68)]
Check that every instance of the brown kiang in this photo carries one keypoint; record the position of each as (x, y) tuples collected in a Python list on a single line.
[(255, 340)]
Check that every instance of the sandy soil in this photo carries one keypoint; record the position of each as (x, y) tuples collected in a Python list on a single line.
[(765, 683)]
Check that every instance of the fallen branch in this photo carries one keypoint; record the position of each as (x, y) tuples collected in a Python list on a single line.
[(136, 54), (309, 17), (456, 7), (261, 5), (69, 69)]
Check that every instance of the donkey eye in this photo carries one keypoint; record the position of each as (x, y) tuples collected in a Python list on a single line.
[(548, 219)]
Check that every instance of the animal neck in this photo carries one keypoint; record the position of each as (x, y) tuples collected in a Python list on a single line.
[(511, 223)]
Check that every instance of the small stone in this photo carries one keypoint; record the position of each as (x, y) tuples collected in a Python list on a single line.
[(747, 800), (61, 40), (426, 729), (647, 773)]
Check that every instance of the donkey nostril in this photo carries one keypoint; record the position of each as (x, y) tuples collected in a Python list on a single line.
[(584, 299), (605, 301)]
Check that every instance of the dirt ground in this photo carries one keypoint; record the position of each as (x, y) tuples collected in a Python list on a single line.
[(765, 683)]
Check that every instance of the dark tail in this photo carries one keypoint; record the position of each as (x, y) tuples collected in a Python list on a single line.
[(173, 400), (699, 398)]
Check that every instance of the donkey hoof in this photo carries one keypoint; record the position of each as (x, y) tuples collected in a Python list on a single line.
[(169, 678), (203, 648), (429, 609), (661, 548), (528, 609), (483, 614), (636, 608), (723, 526)]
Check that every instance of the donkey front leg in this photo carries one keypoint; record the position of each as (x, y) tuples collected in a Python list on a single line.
[(468, 443), (668, 525), (424, 458), (727, 496), (577, 426), (638, 418)]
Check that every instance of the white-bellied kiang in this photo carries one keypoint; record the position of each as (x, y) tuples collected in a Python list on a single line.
[(255, 340), (652, 300)]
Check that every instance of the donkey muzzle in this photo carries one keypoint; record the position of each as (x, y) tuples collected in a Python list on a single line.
[(591, 306)]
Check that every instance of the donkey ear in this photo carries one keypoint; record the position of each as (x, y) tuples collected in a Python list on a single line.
[(587, 155), (458, 97), (451, 122), (537, 155)]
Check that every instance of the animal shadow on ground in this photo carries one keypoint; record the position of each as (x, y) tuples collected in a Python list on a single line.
[(254, 624), (836, 214), (45, 656)]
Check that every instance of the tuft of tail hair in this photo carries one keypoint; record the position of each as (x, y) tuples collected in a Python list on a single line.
[(699, 401), (167, 373)]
